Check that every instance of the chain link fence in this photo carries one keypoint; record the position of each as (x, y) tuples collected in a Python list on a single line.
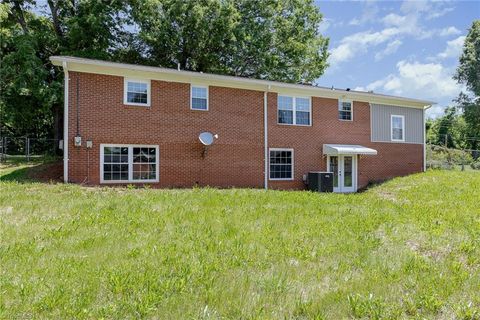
[(26, 149), (441, 157), (21, 149)]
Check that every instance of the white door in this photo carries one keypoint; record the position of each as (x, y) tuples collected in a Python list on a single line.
[(344, 170)]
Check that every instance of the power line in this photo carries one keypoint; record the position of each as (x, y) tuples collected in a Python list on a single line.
[(443, 147), (463, 138)]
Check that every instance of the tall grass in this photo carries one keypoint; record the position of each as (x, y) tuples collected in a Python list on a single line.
[(406, 249)]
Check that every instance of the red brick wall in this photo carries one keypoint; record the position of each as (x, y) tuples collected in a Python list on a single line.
[(236, 115), (393, 159), (235, 159)]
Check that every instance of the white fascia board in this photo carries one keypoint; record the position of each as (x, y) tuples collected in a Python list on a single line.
[(172, 75)]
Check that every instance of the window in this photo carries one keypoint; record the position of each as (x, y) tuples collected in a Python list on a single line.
[(345, 110), (294, 110), (281, 164), (398, 128), (115, 163), (285, 109), (302, 111), (136, 92), (144, 163), (128, 163), (199, 98)]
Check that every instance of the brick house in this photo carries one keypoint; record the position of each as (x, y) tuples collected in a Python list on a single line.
[(128, 124)]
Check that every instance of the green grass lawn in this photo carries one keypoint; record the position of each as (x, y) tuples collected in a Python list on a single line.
[(409, 248)]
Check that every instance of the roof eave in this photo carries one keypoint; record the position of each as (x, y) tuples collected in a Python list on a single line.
[(75, 64)]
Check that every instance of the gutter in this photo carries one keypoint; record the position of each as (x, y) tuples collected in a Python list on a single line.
[(164, 74), (65, 123)]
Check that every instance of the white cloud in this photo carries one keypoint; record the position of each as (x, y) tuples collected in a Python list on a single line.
[(396, 26), (324, 25), (414, 6), (369, 14), (450, 31), (429, 9), (409, 24), (438, 13), (359, 43), (454, 48), (341, 53), (392, 47), (435, 111), (418, 80), (394, 19)]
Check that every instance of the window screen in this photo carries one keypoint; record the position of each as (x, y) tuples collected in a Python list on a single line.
[(137, 92), (345, 110), (397, 128), (199, 98)]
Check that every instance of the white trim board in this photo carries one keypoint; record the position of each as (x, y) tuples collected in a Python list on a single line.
[(173, 75)]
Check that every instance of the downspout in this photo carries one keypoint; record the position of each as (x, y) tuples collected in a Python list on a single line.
[(265, 135), (77, 96), (424, 143), (65, 123)]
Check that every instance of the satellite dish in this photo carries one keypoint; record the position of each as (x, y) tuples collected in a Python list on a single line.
[(206, 138)]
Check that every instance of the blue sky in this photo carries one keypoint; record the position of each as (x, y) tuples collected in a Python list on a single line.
[(407, 48)]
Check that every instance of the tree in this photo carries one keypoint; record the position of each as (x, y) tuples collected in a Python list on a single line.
[(471, 116), (28, 95), (275, 40), (448, 130), (468, 73), (31, 100), (265, 39)]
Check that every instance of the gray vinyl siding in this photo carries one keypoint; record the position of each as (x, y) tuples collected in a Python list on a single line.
[(380, 123)]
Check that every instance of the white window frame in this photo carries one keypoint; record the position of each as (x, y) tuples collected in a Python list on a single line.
[(125, 88), (130, 163), (340, 103), (294, 110), (293, 164), (403, 127), (191, 96)]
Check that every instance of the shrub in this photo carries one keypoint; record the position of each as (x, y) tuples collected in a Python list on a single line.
[(475, 165)]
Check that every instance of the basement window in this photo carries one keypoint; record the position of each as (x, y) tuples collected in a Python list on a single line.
[(136, 92), (294, 110), (144, 163), (345, 110), (199, 98), (281, 164), (128, 163)]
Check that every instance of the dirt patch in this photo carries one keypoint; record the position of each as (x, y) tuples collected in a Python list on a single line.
[(48, 172), (393, 195), (388, 195)]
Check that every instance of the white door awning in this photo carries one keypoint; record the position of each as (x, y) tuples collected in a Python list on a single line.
[(337, 149)]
